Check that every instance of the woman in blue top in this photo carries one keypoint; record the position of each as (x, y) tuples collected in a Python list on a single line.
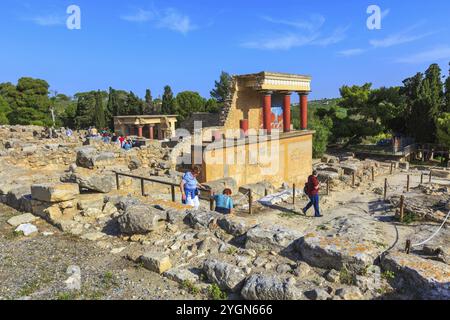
[(189, 188)]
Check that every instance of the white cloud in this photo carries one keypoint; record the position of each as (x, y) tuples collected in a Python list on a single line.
[(405, 36), (47, 20), (169, 18), (351, 52), (337, 36), (139, 16), (433, 55), (292, 38), (385, 13), (280, 42), (314, 23)]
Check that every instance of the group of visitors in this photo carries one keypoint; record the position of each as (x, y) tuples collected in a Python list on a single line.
[(190, 187), (106, 136)]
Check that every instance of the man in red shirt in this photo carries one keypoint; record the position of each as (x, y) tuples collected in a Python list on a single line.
[(313, 194)]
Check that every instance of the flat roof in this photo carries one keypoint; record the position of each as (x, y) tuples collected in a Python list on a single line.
[(275, 74), (149, 116)]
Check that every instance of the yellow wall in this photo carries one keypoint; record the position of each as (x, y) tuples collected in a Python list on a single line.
[(294, 156)]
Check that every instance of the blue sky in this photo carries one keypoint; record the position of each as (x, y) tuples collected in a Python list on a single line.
[(134, 45)]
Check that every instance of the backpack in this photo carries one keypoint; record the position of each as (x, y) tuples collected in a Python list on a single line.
[(306, 188)]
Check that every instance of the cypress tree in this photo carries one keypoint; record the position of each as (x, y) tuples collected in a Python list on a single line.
[(168, 101), (148, 105), (99, 113)]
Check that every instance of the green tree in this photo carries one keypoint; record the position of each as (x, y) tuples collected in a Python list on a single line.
[(148, 104), (322, 135), (443, 129), (84, 116), (221, 91), (4, 111), (168, 105), (447, 93), (99, 113), (135, 105), (111, 108), (212, 106), (189, 102)]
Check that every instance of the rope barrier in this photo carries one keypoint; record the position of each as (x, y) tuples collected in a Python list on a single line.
[(434, 234)]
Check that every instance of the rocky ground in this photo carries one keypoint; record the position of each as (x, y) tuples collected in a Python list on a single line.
[(81, 238)]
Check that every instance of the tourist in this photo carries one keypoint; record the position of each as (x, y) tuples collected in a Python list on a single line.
[(127, 145), (121, 140), (224, 203), (312, 191), (114, 138), (189, 188), (69, 132)]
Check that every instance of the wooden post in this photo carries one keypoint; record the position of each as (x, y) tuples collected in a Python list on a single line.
[(392, 168), (211, 201), (408, 246), (430, 176), (385, 188), (293, 194), (421, 178), (142, 188), (117, 181), (373, 174), (328, 186), (353, 179), (173, 193), (402, 208), (407, 183), (250, 200)]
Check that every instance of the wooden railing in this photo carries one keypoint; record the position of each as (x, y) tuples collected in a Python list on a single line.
[(172, 185)]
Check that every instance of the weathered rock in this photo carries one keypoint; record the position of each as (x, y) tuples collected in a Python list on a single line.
[(74, 281), (52, 214), (268, 238), (302, 270), (181, 275), (86, 201), (134, 164), (226, 276), (93, 236), (86, 179), (27, 229), (428, 279), (441, 173), (333, 276), (140, 219), (21, 219), (350, 293), (218, 186), (202, 217), (233, 225), (92, 213), (264, 287), (351, 241), (318, 294), (156, 262), (88, 157), (55, 192)]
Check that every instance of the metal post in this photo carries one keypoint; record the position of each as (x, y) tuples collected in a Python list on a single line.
[(385, 188), (430, 176), (250, 200), (407, 183), (408, 246), (211, 201), (328, 186), (293, 194), (392, 168), (173, 193), (142, 188), (421, 178), (402, 208), (353, 179), (373, 174), (117, 181)]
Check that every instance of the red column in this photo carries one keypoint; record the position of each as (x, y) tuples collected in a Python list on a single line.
[(267, 112), (244, 128), (287, 113), (140, 133), (304, 111), (151, 132)]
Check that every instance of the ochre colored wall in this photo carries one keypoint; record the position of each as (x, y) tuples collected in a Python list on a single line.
[(246, 104), (295, 163)]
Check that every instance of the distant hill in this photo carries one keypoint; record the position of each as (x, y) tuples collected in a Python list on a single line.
[(323, 103)]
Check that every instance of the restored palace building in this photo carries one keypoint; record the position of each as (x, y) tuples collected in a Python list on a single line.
[(266, 147), (158, 127)]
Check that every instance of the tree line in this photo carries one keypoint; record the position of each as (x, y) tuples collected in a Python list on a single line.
[(30, 102), (419, 108)]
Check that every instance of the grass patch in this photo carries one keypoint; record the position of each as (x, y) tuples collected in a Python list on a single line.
[(109, 280), (215, 293), (190, 287), (29, 288), (288, 215), (346, 277), (67, 296), (232, 250), (409, 218), (388, 275)]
